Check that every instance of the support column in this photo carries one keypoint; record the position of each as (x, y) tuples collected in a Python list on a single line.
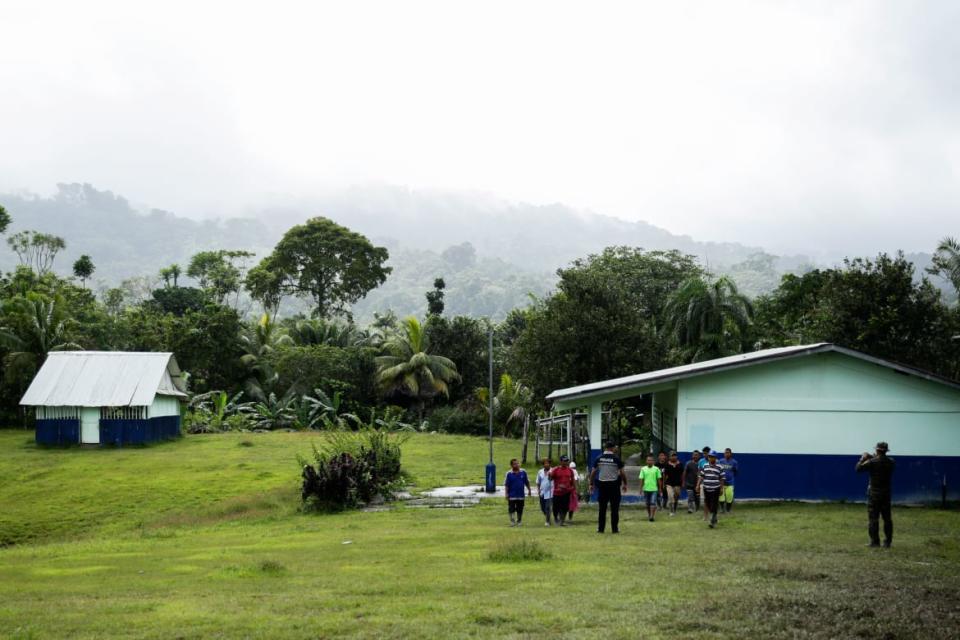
[(596, 431)]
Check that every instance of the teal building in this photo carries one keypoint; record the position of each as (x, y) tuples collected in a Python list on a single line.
[(798, 418)]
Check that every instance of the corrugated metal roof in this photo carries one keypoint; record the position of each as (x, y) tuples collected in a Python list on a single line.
[(741, 360), (103, 379)]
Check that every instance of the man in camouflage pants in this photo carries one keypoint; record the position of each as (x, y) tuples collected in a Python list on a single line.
[(880, 468)]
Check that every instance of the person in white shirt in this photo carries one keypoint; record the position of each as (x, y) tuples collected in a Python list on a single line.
[(545, 490)]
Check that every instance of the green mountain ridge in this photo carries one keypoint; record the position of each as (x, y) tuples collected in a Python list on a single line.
[(493, 254)]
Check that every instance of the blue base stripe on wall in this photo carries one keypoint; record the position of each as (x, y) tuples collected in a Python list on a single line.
[(58, 432), (125, 432), (832, 477)]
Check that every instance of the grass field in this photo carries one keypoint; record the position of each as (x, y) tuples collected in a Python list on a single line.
[(201, 538)]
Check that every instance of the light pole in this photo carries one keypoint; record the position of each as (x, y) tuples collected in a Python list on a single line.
[(491, 467)]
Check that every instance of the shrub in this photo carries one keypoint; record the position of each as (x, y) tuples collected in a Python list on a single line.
[(351, 469), (454, 420), (205, 421)]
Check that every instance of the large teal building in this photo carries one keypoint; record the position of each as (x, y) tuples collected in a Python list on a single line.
[(798, 418)]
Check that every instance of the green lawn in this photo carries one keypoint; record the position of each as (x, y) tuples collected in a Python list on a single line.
[(201, 539)]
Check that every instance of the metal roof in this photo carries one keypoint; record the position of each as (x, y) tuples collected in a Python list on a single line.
[(731, 362), (104, 379)]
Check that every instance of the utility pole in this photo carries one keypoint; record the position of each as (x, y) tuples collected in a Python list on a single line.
[(491, 467)]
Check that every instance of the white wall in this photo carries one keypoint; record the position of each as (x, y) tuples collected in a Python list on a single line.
[(824, 404), (164, 406)]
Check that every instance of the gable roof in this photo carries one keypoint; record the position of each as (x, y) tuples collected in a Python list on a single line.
[(104, 379), (732, 362)]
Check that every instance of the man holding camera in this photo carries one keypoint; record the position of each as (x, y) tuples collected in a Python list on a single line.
[(880, 468)]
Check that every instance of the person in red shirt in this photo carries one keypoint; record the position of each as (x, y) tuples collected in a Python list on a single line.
[(563, 485)]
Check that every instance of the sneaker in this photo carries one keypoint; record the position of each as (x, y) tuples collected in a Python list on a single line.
[(672, 514), (886, 544), (874, 545), (650, 518), (712, 525), (547, 523)]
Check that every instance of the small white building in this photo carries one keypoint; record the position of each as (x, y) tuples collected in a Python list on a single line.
[(106, 397)]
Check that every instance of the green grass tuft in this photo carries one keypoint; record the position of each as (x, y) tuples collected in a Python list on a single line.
[(271, 567), (519, 551)]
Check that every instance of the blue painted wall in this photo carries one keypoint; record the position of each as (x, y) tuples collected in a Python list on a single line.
[(126, 432), (832, 477), (58, 432)]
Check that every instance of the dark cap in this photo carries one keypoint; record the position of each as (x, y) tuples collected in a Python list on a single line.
[(883, 446), (564, 459)]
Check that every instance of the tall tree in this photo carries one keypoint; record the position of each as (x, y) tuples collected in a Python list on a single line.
[(604, 320), (5, 219), (435, 298), (874, 306), (83, 268), (219, 273), (36, 250), (170, 275), (411, 370), (709, 319), (324, 261)]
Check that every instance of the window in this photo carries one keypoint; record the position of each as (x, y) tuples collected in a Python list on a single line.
[(123, 413), (58, 413)]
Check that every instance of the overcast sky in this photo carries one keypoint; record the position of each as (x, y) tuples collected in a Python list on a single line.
[(796, 126)]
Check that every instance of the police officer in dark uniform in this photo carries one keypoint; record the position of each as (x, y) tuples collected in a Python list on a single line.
[(880, 468)]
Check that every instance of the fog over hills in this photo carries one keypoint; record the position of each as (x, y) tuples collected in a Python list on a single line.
[(492, 253)]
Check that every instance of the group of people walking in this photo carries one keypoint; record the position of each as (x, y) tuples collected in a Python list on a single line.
[(705, 479), (556, 488)]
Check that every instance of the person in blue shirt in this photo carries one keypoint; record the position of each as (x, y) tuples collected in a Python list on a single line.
[(513, 485), (730, 468)]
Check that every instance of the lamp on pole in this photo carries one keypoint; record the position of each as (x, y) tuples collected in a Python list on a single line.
[(491, 484)]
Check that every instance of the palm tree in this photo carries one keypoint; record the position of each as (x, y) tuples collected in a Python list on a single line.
[(39, 328), (708, 320), (320, 331), (409, 369), (511, 403), (258, 343), (946, 262)]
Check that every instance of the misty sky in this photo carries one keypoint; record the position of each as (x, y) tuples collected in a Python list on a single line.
[(795, 126)]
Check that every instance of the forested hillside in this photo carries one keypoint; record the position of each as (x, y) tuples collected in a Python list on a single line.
[(492, 254)]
